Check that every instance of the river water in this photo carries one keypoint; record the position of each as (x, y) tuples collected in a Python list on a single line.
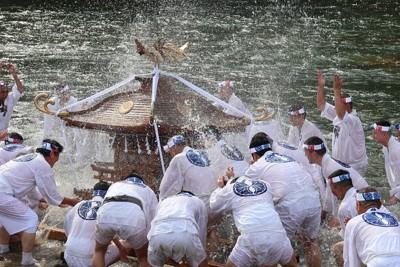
[(272, 49)]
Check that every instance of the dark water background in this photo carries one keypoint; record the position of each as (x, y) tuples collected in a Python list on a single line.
[(272, 49)]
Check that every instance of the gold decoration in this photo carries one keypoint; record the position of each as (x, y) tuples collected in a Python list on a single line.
[(266, 113), (47, 102), (125, 107), (161, 51)]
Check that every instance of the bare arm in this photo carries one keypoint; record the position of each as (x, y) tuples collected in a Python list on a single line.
[(15, 77), (321, 91), (69, 202), (337, 89)]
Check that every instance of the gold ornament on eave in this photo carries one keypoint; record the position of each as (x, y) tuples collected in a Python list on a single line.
[(47, 101), (162, 51)]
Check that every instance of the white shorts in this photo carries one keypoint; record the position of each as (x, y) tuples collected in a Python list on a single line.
[(261, 248), (177, 246), (135, 235), (16, 216), (112, 255)]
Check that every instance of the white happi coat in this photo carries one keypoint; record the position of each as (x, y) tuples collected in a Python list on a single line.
[(189, 171), (11, 151), (347, 209), (222, 156), (392, 166), (372, 238), (348, 141), (237, 103), (308, 129), (329, 166), (10, 102)]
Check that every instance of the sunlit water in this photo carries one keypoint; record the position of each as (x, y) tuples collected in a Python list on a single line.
[(272, 49)]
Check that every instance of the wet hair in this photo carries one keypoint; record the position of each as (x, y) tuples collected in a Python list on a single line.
[(259, 139), (314, 140), (102, 185), (54, 145), (348, 183), (133, 174), (383, 123), (298, 106), (369, 203), (15, 136)]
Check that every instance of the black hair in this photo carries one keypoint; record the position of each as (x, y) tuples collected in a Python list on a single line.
[(297, 106), (369, 203), (53, 145), (259, 139), (14, 135), (348, 183), (315, 140), (102, 185), (383, 123), (133, 174)]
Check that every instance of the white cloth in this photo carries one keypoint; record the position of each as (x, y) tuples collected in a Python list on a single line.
[(237, 103), (374, 245), (293, 190), (79, 226), (298, 136), (262, 236), (348, 141), (392, 166), (330, 165), (347, 209), (9, 102), (189, 171), (178, 231), (222, 156), (125, 219), (11, 151)]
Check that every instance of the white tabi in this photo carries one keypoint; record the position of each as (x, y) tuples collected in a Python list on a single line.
[(79, 227), (189, 171), (298, 136), (392, 166), (178, 231), (126, 219), (296, 199), (222, 155), (11, 151), (20, 177), (263, 240), (9, 102), (329, 166), (348, 141), (372, 238)]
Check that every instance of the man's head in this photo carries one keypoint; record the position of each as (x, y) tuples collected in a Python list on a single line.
[(297, 115), (367, 198), (175, 145), (62, 92), (14, 138), (347, 101), (100, 189), (4, 89), (259, 144), (51, 150), (225, 90), (382, 131), (314, 149), (340, 182)]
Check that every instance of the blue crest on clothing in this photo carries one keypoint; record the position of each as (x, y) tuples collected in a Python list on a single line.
[(287, 146), (277, 158), (135, 181), (232, 153), (248, 187), (26, 158), (13, 147), (380, 219), (198, 158), (88, 210), (342, 163)]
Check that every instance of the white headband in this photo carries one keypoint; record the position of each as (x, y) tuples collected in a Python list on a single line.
[(226, 84), (259, 148), (337, 179), (14, 140), (177, 140), (346, 99), (314, 147), (368, 196), (297, 112), (381, 128)]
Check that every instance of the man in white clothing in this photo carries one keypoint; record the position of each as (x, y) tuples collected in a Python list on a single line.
[(263, 240), (30, 175), (127, 211), (226, 92), (373, 237), (80, 226), (179, 231), (348, 141), (9, 99), (295, 197), (315, 150), (13, 146), (391, 150)]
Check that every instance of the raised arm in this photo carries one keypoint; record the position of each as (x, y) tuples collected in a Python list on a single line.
[(340, 107), (321, 91), (17, 81)]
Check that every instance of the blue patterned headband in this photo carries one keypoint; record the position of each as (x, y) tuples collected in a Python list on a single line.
[(259, 148), (340, 178), (368, 196)]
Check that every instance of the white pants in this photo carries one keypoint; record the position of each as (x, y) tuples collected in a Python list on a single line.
[(111, 256)]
